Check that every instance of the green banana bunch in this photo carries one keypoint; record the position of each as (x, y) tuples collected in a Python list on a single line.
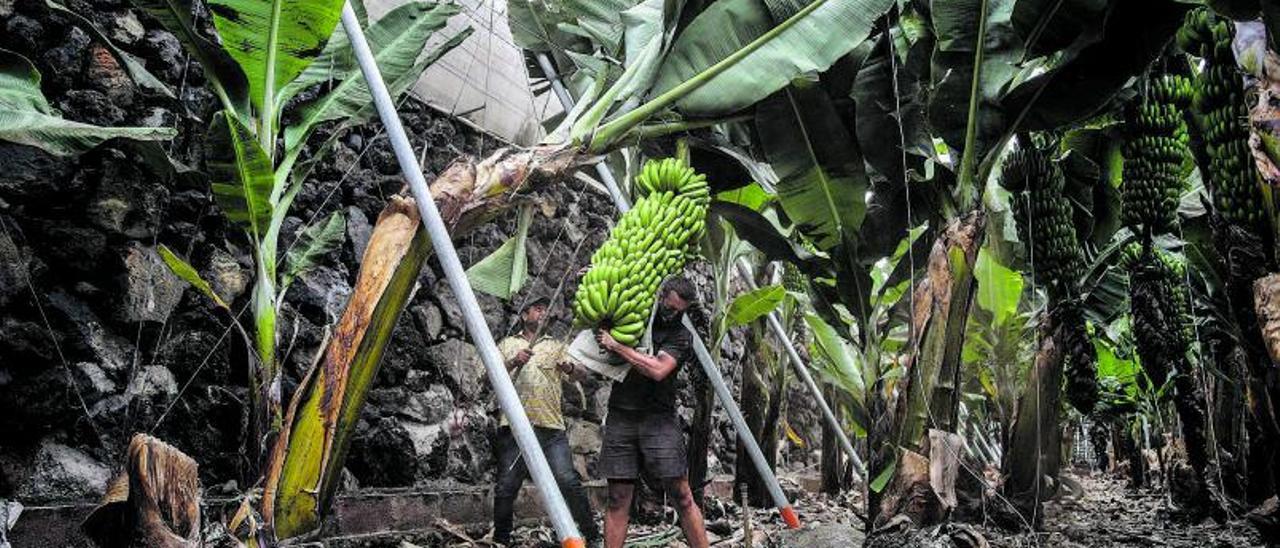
[(794, 280), (1044, 217), (1161, 312), (1155, 150), (650, 242), (1046, 223), (1170, 272), (1219, 115), (671, 174), (1079, 354)]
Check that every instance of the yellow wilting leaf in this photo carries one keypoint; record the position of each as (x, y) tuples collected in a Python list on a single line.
[(792, 435)]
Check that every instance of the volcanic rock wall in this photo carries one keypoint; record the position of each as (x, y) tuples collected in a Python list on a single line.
[(98, 339)]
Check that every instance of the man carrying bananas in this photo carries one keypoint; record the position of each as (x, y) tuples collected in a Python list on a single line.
[(538, 365), (642, 428)]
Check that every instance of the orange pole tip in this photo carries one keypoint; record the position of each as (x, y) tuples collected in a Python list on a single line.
[(789, 516), (573, 542)]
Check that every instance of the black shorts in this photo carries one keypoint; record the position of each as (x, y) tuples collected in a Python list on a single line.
[(640, 438)]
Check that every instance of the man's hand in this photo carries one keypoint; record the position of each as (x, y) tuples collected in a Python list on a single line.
[(521, 358), (606, 341)]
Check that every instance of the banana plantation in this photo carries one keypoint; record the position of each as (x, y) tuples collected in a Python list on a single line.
[(761, 273)]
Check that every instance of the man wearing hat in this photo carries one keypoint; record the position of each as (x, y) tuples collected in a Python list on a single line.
[(537, 365)]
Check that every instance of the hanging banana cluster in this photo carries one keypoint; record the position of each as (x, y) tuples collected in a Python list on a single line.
[(1046, 223), (1080, 356), (650, 242), (1044, 218), (1160, 308), (1219, 117), (1155, 150), (1169, 272), (794, 280)]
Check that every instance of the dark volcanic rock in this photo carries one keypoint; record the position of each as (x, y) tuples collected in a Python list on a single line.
[(32, 175), (61, 66), (151, 290), (14, 271), (63, 473), (382, 455), (25, 33), (167, 52)]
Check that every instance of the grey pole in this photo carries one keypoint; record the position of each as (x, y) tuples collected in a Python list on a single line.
[(566, 102), (775, 325), (699, 348), (740, 425), (508, 401)]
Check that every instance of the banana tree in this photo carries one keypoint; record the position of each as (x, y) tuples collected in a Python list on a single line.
[(268, 52), (1238, 160), (974, 73)]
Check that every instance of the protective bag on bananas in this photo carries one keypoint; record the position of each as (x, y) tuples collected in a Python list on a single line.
[(586, 351), (650, 242)]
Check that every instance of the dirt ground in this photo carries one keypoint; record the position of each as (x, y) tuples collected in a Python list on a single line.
[(1106, 514), (1109, 514)]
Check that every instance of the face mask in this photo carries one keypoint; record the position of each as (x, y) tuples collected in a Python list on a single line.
[(667, 314)]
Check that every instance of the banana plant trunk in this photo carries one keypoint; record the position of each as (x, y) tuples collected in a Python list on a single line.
[(1258, 318), (762, 407), (829, 465), (755, 402), (1126, 450), (928, 394), (306, 461), (264, 371), (1162, 345), (1033, 452), (1230, 412)]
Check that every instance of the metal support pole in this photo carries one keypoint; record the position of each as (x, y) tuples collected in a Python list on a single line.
[(740, 425), (699, 348), (775, 325), (508, 401), (566, 102)]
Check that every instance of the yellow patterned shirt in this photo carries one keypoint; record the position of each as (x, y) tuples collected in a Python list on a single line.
[(538, 381)]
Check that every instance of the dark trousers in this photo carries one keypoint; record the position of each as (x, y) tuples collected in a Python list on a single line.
[(512, 473)]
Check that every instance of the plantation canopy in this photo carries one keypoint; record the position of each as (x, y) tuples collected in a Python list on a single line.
[(484, 81)]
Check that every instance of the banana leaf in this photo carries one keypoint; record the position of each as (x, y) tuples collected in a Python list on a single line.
[(505, 271), (273, 40), (241, 174), (808, 42), (188, 273), (822, 184), (755, 304), (314, 242), (999, 287), (1047, 26), (1088, 83), (885, 123), (961, 67), (397, 41), (26, 117), (305, 465), (648, 33)]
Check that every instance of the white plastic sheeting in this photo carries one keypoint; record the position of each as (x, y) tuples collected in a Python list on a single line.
[(484, 81)]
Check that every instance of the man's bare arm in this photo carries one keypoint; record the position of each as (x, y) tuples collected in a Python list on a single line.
[(654, 367)]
